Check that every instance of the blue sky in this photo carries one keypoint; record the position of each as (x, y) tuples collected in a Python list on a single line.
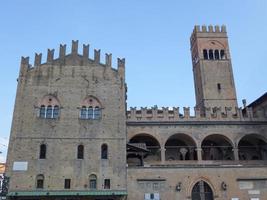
[(152, 35)]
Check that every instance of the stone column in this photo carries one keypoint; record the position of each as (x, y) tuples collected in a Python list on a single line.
[(162, 154), (236, 154), (199, 153)]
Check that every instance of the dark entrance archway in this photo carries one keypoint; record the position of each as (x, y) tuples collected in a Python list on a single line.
[(217, 147), (151, 144), (252, 147), (180, 147), (202, 191)]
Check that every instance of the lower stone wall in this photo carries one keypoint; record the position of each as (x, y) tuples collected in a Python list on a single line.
[(176, 183)]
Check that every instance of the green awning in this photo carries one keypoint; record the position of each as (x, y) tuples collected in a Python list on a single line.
[(68, 193)]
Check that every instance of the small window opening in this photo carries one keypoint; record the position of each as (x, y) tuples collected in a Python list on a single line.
[(42, 151), (205, 54), (83, 113), (219, 86), (56, 112), (211, 54), (216, 54), (97, 113), (107, 184), (222, 54), (90, 113), (42, 111), (67, 184), (92, 182), (80, 152), (104, 151), (40, 181), (49, 112)]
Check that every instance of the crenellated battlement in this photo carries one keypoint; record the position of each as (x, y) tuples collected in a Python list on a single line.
[(209, 114), (208, 31), (73, 58)]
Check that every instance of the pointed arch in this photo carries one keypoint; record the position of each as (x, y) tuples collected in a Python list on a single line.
[(207, 182), (202, 191), (91, 108), (49, 107)]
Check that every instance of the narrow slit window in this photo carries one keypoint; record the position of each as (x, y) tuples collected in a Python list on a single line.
[(211, 57), (90, 113), (104, 151), (80, 152), (222, 54), (216, 54), (83, 113), (56, 112), (219, 86), (42, 111), (49, 112), (42, 151), (97, 113), (205, 54)]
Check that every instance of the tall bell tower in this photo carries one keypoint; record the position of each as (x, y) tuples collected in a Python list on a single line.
[(212, 68)]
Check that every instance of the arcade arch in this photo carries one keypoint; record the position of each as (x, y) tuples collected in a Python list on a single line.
[(217, 147), (252, 147), (180, 147)]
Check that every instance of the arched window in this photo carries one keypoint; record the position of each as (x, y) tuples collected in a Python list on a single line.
[(90, 113), (205, 54), (49, 107), (84, 113), (91, 109), (56, 111), (202, 191), (49, 112), (80, 152), (93, 182), (211, 57), (97, 112), (42, 111), (40, 181), (42, 154), (216, 54), (104, 151), (222, 54)]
